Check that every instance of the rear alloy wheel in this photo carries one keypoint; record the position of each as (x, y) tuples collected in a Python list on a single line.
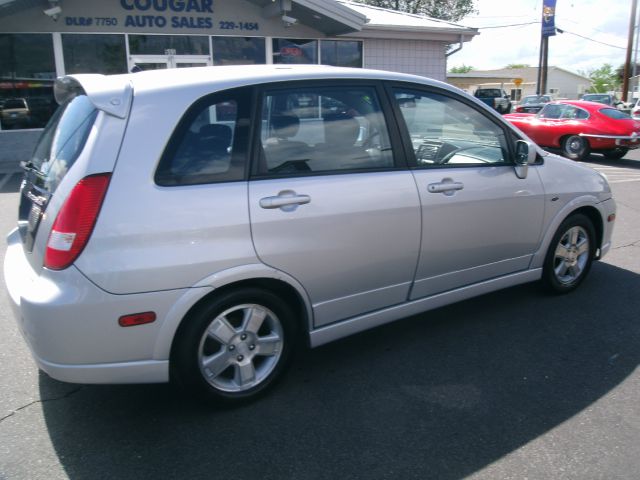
[(615, 154), (575, 147), (236, 347), (570, 254)]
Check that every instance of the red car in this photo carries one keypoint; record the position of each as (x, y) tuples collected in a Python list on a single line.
[(578, 128)]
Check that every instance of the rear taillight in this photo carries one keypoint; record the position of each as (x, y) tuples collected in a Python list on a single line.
[(75, 221)]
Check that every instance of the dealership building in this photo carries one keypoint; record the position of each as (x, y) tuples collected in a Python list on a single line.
[(44, 39)]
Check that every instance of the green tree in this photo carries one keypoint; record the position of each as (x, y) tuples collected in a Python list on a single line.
[(603, 79), (461, 69), (517, 65), (451, 10)]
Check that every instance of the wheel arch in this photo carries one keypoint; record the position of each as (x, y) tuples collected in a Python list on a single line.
[(587, 206), (562, 138), (256, 276), (592, 214)]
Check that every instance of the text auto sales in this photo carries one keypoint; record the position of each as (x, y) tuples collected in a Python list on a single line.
[(177, 6)]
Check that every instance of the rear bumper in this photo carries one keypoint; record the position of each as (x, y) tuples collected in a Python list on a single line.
[(71, 325)]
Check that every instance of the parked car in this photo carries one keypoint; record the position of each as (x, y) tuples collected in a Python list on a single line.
[(532, 103), (156, 241), (635, 109), (496, 98), (605, 98), (578, 128), (15, 113)]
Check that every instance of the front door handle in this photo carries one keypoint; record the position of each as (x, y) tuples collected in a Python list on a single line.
[(287, 200), (447, 186)]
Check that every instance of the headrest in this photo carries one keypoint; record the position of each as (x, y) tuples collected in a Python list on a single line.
[(341, 128), (285, 126)]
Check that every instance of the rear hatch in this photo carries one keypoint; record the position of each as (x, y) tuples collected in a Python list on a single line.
[(58, 148)]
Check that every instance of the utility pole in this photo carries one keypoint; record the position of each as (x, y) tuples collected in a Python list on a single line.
[(627, 63), (548, 29)]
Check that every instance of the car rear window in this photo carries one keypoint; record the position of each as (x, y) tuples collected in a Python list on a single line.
[(62, 141), (614, 113), (14, 103), (488, 92)]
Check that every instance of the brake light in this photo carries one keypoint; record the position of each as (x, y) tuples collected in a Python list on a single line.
[(75, 221)]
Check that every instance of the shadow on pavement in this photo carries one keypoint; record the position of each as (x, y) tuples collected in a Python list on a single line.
[(438, 395), (10, 182)]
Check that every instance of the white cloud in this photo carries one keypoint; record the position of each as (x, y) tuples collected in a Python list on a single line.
[(496, 48)]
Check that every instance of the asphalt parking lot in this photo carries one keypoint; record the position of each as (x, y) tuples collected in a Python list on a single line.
[(511, 385)]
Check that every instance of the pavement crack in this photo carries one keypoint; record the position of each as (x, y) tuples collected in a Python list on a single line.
[(42, 400), (632, 244)]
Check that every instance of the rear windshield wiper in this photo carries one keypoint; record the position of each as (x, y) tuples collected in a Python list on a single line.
[(30, 167)]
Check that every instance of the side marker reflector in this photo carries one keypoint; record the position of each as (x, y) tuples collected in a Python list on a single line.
[(136, 319), (611, 217)]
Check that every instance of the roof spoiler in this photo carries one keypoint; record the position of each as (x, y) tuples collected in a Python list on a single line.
[(112, 95)]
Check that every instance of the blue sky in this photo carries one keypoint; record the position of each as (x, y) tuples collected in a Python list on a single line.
[(604, 21)]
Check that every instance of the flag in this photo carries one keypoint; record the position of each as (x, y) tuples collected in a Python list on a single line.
[(548, 18)]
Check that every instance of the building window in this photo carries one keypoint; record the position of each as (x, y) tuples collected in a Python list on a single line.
[(340, 53), (165, 44), (554, 91), (287, 50), (104, 54), (27, 71), (238, 51), (516, 94)]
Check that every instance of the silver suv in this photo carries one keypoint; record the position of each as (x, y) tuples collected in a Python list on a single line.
[(200, 224)]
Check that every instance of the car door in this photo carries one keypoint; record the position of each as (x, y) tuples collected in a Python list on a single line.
[(330, 203), (479, 220)]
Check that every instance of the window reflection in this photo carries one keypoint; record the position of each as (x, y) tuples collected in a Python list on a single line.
[(287, 50), (98, 53), (238, 51), (27, 71), (341, 53)]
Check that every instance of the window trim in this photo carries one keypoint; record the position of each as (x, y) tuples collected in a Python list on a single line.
[(410, 154), (244, 98), (399, 159)]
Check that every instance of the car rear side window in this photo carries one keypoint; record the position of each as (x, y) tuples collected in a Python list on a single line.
[(614, 113), (323, 129), (62, 141), (209, 145)]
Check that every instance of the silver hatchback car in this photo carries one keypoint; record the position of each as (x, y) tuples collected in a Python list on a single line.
[(200, 224)]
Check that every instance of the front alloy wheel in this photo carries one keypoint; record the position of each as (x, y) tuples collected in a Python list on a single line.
[(570, 254)]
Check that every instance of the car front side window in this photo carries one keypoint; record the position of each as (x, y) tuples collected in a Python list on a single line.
[(446, 131)]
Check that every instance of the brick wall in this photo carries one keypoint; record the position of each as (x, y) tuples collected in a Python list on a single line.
[(418, 57)]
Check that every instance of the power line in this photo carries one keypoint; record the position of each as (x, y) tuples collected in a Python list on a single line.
[(562, 30), (512, 25)]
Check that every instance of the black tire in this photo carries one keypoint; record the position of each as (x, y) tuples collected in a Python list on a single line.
[(575, 147), (615, 154), (568, 262), (231, 342)]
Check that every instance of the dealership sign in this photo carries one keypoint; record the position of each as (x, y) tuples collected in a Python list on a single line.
[(178, 14)]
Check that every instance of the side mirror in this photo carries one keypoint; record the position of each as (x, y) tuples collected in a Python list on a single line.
[(525, 154)]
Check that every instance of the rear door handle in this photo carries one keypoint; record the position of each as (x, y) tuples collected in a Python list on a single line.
[(445, 187), (287, 200)]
